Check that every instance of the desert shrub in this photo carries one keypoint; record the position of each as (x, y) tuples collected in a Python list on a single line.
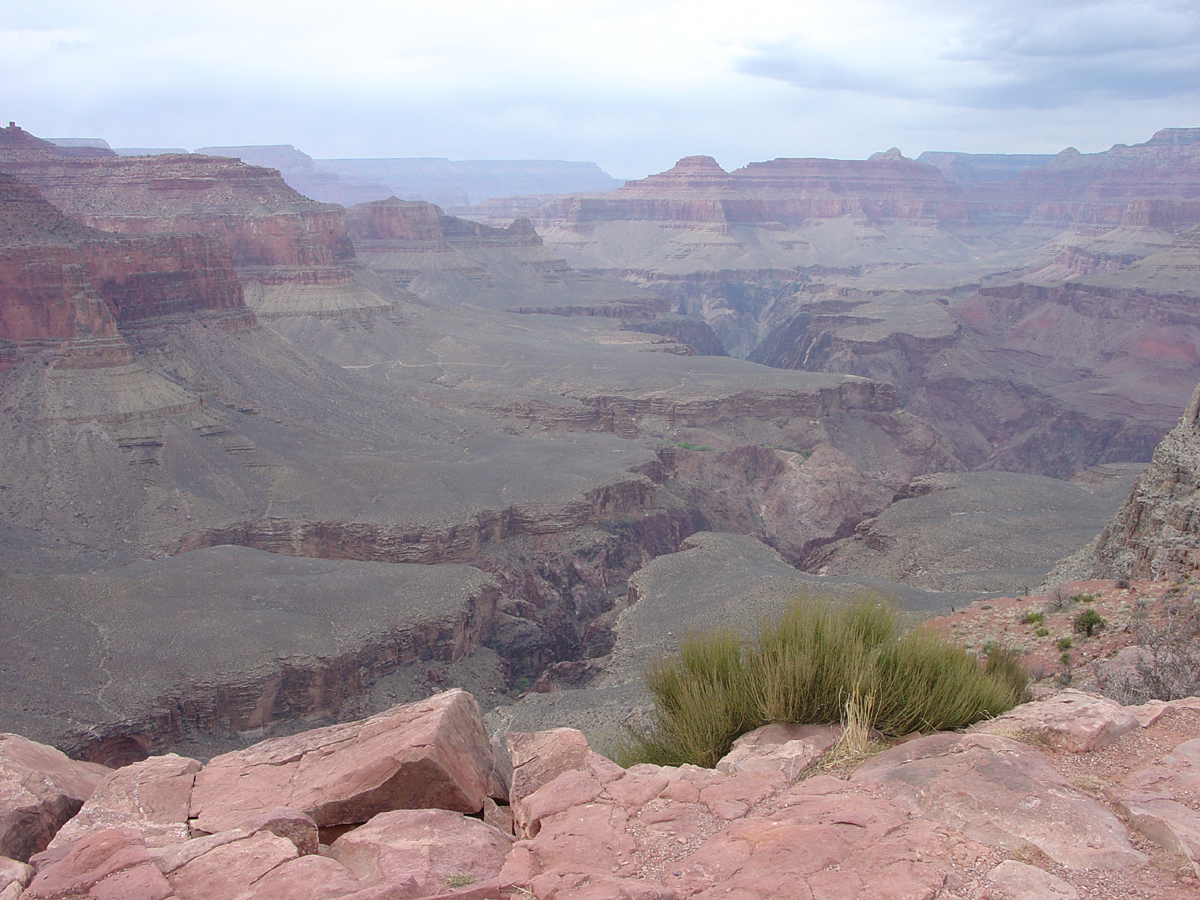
[(1082, 598), (816, 663), (1042, 632), (1033, 618), (1087, 622), (1064, 643), (1005, 665), (1169, 667)]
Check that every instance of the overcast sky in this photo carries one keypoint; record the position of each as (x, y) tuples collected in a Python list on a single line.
[(631, 85)]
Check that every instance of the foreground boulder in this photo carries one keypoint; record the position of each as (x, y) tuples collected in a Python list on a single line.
[(40, 789), (433, 753)]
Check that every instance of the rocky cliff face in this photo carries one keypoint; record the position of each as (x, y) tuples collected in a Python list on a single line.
[(442, 258), (1101, 189), (70, 287), (292, 254), (1156, 533)]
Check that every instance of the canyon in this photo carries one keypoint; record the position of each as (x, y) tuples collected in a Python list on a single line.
[(271, 462)]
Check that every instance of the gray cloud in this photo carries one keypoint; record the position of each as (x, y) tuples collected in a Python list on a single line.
[(1019, 54)]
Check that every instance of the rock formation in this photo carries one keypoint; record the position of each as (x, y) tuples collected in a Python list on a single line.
[(444, 259), (292, 254), (71, 287), (996, 813), (1156, 533)]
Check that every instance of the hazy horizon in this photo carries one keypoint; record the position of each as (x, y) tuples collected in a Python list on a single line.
[(630, 86)]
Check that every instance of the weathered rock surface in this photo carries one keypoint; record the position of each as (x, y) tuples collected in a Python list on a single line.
[(103, 865), (1155, 533), (152, 796), (424, 851), (1069, 720), (951, 816), (999, 792), (429, 754), (40, 790)]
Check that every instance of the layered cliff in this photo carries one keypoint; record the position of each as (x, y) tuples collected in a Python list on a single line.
[(1101, 189), (65, 287), (292, 254), (446, 259)]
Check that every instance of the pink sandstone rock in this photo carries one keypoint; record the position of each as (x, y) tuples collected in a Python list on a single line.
[(432, 753), (1070, 720), (232, 869), (40, 789), (288, 823), (103, 865), (789, 749), (1015, 880), (541, 756), (663, 832), (1175, 777), (152, 796), (306, 878), (1002, 793), (1169, 824), (14, 876), (422, 852)]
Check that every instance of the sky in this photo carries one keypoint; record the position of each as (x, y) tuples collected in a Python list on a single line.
[(632, 86)]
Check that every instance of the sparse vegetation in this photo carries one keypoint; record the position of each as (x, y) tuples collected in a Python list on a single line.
[(1169, 666), (1042, 632), (689, 446), (1087, 622), (1064, 643), (1033, 618), (457, 881), (820, 662)]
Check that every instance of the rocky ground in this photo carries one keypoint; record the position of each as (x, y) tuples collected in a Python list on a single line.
[(1070, 796)]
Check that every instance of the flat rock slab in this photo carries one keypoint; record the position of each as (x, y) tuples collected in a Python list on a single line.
[(112, 864), (153, 796), (1014, 880), (541, 756), (1070, 720), (1002, 793), (789, 749), (422, 852), (653, 832), (40, 789), (434, 753)]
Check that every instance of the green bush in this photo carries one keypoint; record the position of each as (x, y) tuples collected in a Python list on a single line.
[(808, 666), (1064, 643), (1033, 618), (1042, 632), (1088, 621)]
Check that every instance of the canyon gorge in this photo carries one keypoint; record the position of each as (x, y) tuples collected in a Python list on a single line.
[(272, 462)]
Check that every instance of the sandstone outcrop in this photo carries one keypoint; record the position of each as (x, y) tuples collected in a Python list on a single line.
[(433, 754), (951, 816), (40, 790), (292, 254), (70, 288)]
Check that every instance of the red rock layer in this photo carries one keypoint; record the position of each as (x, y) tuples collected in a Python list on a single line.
[(1156, 183), (261, 220), (68, 287), (782, 191), (412, 224)]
